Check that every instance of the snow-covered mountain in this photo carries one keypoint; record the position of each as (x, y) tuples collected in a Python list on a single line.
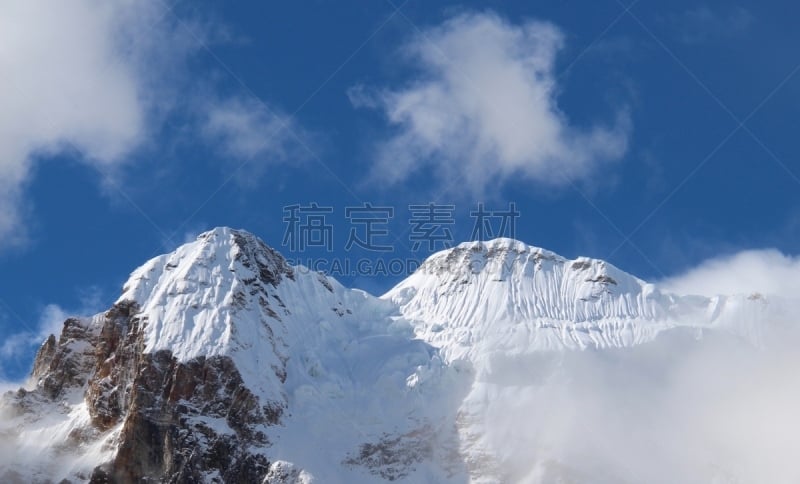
[(220, 362)]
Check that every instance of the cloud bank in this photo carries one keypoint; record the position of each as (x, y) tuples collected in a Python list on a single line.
[(677, 409), (484, 109), (693, 406), (764, 271)]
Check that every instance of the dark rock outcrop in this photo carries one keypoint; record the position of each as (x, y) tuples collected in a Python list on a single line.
[(192, 421)]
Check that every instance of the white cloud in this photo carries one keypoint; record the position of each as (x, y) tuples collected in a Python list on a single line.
[(99, 78), (247, 130), (71, 78), (677, 409), (765, 271), (484, 109), (8, 386), (51, 321), (690, 406)]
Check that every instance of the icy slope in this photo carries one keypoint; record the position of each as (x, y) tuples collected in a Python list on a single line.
[(511, 297), (227, 293)]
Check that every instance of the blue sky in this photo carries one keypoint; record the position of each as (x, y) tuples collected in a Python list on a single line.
[(653, 135)]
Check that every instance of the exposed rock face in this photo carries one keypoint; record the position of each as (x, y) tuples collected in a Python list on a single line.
[(169, 419), (171, 413), (189, 420), (266, 262), (394, 456), (63, 365), (177, 421)]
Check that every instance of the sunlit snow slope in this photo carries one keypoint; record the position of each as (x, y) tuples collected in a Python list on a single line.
[(503, 295)]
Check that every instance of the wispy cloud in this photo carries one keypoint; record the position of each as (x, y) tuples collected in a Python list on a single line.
[(51, 321), (703, 23), (484, 109), (765, 271), (246, 130)]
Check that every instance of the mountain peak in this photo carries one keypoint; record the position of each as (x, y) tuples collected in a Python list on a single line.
[(212, 255), (506, 295), (220, 295), (502, 258)]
